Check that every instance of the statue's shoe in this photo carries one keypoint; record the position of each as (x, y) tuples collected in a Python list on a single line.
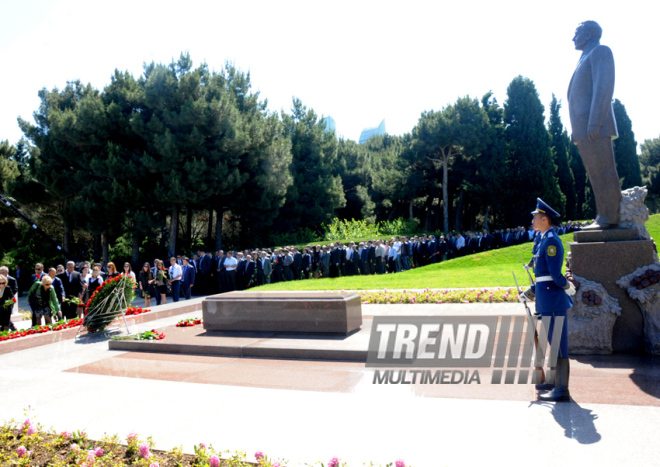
[(597, 226)]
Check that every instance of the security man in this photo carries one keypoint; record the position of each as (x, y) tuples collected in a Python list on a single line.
[(552, 292)]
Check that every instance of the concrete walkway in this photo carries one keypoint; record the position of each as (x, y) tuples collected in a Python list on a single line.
[(306, 411)]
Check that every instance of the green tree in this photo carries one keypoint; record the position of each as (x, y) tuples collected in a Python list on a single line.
[(650, 160), (625, 149), (441, 136), (560, 151), (316, 191), (354, 164), (8, 165), (530, 165), (57, 156)]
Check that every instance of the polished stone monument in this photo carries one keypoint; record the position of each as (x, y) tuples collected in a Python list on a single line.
[(303, 312)]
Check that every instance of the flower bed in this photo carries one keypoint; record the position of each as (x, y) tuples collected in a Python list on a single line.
[(498, 295), (27, 444), (59, 326)]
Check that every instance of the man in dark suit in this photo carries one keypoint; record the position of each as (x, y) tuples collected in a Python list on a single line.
[(592, 121), (264, 268), (335, 260), (296, 266), (203, 269), (38, 273), (73, 287), (250, 269), (220, 272), (188, 279), (371, 257)]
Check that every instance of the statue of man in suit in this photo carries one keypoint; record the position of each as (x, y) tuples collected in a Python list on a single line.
[(592, 120)]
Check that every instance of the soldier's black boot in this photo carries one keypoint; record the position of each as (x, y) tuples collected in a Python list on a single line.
[(560, 392), (549, 383)]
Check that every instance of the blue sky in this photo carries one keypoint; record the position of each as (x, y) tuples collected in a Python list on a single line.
[(358, 61)]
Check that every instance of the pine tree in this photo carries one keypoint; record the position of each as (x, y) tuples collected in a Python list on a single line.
[(560, 151), (316, 191), (530, 165), (625, 149)]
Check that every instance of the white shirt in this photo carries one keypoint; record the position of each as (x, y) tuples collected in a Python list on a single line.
[(460, 242), (397, 249), (230, 264), (176, 272)]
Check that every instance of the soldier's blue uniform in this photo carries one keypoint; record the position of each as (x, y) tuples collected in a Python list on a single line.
[(552, 299)]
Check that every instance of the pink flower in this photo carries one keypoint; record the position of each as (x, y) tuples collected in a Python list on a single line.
[(155, 464), (400, 463), (75, 447), (144, 450), (31, 430), (27, 422), (131, 436), (91, 458), (202, 445), (334, 462), (258, 455), (98, 452), (439, 302), (21, 451), (214, 461), (66, 435)]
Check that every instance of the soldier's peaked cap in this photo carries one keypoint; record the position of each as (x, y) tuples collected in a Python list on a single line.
[(543, 208)]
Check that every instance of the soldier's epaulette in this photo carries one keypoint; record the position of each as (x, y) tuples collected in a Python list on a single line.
[(550, 235)]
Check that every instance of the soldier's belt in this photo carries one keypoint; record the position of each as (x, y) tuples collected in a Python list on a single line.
[(544, 279)]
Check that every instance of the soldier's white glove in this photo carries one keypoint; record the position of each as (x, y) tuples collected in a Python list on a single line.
[(570, 289), (526, 296), (527, 267)]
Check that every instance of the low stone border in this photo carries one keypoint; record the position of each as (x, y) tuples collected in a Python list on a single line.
[(159, 312)]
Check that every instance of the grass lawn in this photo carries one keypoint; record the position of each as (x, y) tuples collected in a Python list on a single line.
[(487, 269)]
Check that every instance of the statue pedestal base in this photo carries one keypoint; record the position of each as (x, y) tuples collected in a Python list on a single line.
[(606, 262)]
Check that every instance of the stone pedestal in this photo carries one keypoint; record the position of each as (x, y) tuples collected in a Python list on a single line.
[(605, 262), (316, 312)]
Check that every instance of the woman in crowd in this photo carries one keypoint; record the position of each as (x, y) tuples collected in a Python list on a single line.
[(6, 299), (43, 300), (145, 280), (129, 271), (95, 281), (161, 282), (112, 270)]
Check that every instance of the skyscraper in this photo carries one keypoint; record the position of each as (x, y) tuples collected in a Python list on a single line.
[(369, 132)]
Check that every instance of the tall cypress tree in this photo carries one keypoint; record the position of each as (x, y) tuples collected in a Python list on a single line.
[(530, 165), (625, 149), (579, 176), (560, 151)]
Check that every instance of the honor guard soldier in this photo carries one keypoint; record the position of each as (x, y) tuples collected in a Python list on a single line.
[(552, 293)]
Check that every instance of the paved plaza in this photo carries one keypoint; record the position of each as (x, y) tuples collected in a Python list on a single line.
[(306, 410)]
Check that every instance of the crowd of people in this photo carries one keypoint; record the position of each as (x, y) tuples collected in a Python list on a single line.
[(56, 292)]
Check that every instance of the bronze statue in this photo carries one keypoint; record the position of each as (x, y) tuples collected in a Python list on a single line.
[(592, 120)]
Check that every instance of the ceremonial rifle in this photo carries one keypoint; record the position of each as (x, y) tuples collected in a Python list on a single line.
[(531, 282), (530, 322)]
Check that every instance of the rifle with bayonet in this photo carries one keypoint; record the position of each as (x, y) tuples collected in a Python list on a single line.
[(531, 322)]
